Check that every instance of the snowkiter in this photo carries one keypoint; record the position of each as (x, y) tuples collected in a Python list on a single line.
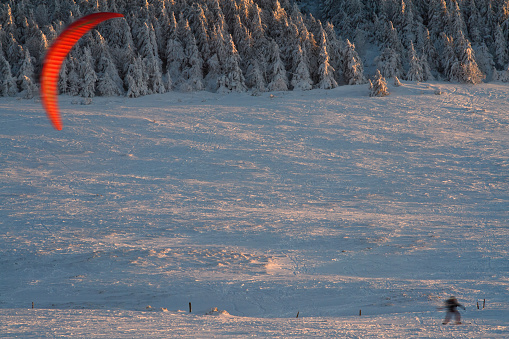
[(451, 305)]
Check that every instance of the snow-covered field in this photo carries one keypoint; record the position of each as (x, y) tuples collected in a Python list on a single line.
[(321, 202)]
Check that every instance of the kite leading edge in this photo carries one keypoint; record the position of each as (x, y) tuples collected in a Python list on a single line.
[(56, 55)]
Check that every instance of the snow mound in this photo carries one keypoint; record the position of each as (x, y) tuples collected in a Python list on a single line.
[(217, 312)]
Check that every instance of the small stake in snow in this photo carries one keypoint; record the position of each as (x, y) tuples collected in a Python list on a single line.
[(190, 307), (477, 305), (483, 303), (297, 314), (360, 313), (32, 304)]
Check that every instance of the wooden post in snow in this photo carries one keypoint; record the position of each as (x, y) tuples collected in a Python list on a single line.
[(297, 314), (360, 313), (190, 309)]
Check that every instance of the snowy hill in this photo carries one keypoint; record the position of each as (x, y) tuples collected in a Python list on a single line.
[(318, 202)]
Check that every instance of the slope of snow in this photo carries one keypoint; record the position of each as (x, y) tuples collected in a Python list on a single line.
[(322, 202)]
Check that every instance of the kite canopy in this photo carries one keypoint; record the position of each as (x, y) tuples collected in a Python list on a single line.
[(56, 55)]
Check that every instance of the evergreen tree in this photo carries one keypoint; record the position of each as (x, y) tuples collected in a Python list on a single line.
[(301, 79), (213, 74), (73, 77), (484, 60), (254, 77), (474, 23), (502, 76), (458, 26), (353, 69), (334, 50), (325, 70), (199, 26), (501, 51), (416, 72), (378, 87), (8, 85), (438, 16), (175, 60), (135, 82), (465, 68), (87, 74), (447, 56), (15, 55), (26, 77), (277, 76), (233, 77), (389, 63), (192, 73)]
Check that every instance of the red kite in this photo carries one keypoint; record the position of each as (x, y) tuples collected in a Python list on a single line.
[(56, 55)]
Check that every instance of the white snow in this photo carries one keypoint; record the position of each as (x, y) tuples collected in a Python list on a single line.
[(322, 202)]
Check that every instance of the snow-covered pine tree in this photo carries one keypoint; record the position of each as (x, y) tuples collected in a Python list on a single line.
[(439, 18), (73, 77), (465, 69), (254, 77), (87, 74), (26, 77), (484, 60), (199, 26), (501, 50), (8, 85), (175, 60), (37, 44), (301, 79), (407, 22), (353, 71), (392, 39), (397, 83), (121, 45), (233, 77), (447, 54), (389, 63), (109, 82), (134, 80), (426, 47), (241, 37), (378, 87), (277, 75), (325, 70), (502, 76), (192, 73), (415, 72), (213, 73), (474, 22), (334, 50), (458, 26), (14, 54), (426, 69)]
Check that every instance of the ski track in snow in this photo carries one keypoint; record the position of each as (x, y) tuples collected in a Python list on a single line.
[(322, 202)]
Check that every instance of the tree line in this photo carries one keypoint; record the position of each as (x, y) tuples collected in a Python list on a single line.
[(184, 45), (464, 41), (255, 45)]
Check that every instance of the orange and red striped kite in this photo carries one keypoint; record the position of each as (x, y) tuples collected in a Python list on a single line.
[(56, 55)]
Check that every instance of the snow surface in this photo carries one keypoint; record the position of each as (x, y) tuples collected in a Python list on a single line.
[(323, 202)]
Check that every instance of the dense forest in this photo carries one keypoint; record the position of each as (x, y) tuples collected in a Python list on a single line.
[(457, 40), (255, 45)]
